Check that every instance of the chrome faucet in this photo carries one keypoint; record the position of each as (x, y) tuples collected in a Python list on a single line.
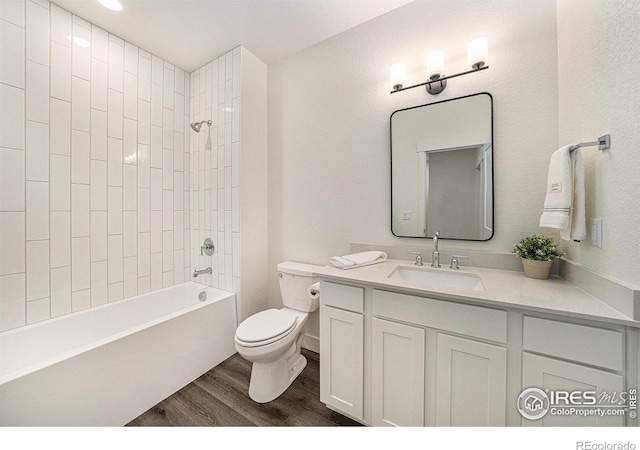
[(197, 272), (435, 256)]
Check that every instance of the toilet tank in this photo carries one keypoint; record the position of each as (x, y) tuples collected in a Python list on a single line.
[(295, 279)]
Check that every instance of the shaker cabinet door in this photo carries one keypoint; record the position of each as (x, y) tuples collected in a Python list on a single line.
[(471, 378), (341, 360), (398, 374), (550, 374)]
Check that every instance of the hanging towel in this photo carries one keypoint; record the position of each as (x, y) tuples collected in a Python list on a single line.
[(557, 204), (564, 203), (358, 259), (577, 229)]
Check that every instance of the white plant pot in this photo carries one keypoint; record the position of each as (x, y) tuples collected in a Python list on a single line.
[(536, 269)]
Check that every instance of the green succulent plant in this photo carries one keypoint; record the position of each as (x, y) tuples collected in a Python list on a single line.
[(537, 248)]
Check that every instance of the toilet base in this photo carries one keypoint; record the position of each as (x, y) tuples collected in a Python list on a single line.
[(270, 380)]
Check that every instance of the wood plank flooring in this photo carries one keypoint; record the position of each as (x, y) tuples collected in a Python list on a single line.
[(220, 398)]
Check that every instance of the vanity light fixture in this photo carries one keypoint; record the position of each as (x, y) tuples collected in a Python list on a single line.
[(113, 5), (477, 52)]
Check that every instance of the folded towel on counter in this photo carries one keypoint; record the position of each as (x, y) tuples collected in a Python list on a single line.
[(564, 202), (358, 259)]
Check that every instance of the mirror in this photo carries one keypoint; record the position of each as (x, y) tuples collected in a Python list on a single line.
[(442, 169)]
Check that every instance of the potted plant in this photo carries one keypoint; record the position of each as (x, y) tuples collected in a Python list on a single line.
[(537, 253)]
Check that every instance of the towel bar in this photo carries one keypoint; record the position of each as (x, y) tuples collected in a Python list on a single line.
[(603, 143)]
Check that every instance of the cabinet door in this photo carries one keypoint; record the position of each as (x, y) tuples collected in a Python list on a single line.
[(551, 374), (398, 353), (471, 379), (341, 360)]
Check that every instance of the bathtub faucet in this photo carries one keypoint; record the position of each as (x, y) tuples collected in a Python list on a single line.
[(197, 272)]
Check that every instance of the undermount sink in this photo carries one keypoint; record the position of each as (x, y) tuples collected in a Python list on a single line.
[(437, 277)]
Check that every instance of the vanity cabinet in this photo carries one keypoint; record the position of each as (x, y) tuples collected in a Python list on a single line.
[(550, 374), (471, 379), (394, 359), (398, 353), (342, 349), (560, 356), (459, 348)]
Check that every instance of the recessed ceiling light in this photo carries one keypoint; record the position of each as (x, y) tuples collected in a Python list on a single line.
[(114, 5)]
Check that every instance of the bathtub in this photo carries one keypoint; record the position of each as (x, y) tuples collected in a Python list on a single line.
[(109, 364)]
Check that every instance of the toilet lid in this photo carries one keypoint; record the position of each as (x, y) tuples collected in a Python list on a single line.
[(265, 325)]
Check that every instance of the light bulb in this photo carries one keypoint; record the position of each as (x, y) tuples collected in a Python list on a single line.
[(397, 75), (477, 52), (435, 65)]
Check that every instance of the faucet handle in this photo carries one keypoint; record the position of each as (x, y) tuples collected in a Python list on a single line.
[(454, 261), (207, 247), (418, 258)]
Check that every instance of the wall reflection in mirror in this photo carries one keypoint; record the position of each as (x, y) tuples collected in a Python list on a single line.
[(442, 169)]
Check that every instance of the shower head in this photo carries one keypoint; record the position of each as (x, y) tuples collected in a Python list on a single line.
[(197, 125)]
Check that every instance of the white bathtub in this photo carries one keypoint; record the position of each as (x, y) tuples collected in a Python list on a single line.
[(109, 364)]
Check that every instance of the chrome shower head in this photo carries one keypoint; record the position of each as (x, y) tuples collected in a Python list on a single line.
[(197, 125)]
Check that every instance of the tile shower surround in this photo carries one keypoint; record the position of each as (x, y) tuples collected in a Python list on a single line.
[(95, 169), (215, 171)]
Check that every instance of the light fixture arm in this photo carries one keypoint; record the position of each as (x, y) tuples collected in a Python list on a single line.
[(439, 83)]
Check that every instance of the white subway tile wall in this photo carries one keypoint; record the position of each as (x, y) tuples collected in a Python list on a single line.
[(213, 174), (94, 166)]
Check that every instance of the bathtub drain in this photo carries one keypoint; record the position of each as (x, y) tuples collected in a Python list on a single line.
[(202, 296)]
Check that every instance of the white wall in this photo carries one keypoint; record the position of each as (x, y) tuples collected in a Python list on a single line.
[(93, 200), (253, 193), (599, 92), (329, 109)]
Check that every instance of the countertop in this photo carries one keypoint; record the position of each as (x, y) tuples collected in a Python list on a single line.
[(502, 288)]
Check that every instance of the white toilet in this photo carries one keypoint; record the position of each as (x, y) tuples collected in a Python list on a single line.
[(272, 339)]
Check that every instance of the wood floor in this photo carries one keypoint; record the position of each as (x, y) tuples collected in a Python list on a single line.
[(220, 398)]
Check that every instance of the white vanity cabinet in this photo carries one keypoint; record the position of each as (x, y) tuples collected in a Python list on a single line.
[(398, 353), (342, 348), (471, 381), (465, 339), (566, 357), (398, 359)]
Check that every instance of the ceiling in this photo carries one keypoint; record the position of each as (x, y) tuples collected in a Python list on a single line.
[(190, 33)]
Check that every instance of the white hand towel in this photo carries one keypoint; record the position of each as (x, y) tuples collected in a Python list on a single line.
[(358, 259), (557, 204), (577, 229)]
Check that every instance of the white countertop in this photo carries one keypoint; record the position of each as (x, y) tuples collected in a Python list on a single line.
[(503, 288)]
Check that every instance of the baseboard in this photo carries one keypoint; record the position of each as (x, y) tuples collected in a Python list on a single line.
[(311, 343)]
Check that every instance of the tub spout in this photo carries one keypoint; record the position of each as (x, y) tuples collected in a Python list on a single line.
[(197, 272)]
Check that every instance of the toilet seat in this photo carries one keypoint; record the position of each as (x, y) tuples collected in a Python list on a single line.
[(265, 327)]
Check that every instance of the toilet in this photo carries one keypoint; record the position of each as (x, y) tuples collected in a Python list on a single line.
[(272, 339)]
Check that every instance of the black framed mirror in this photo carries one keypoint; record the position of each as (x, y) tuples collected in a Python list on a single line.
[(442, 169)]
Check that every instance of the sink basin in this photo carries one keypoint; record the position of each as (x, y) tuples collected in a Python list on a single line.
[(437, 277)]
